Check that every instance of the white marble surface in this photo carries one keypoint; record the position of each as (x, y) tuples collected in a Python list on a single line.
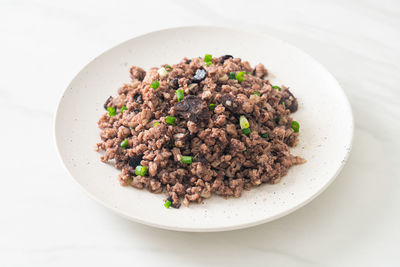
[(47, 220)]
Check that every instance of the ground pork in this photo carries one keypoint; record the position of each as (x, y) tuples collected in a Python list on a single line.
[(148, 126)]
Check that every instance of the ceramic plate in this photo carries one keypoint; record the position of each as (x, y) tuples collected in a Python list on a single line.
[(324, 114)]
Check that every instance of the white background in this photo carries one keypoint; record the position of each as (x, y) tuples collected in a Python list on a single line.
[(47, 220)]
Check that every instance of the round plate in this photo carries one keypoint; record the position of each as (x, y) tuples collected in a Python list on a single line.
[(324, 114)]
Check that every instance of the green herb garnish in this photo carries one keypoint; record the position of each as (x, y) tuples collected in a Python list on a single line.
[(168, 68), (155, 85), (295, 126), (187, 159), (141, 170), (246, 131), (170, 120), (124, 143), (179, 94), (265, 135), (208, 59), (244, 123), (111, 111), (167, 204), (240, 76)]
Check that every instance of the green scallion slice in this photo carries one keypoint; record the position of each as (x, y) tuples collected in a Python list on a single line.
[(211, 106), (265, 135), (167, 204), (155, 85), (232, 75), (170, 120), (124, 143), (123, 108), (244, 123), (179, 94), (240, 76), (208, 59), (295, 126), (155, 124), (246, 131), (276, 87), (168, 68), (111, 111), (256, 93), (141, 170), (187, 159)]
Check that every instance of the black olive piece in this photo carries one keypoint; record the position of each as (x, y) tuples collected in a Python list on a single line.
[(223, 58), (137, 98), (290, 102), (107, 101), (199, 76), (133, 162), (192, 108), (169, 198), (174, 83)]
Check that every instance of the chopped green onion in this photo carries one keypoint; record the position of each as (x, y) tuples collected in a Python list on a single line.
[(295, 126), (256, 93), (265, 135), (240, 76), (162, 71), (232, 75), (167, 204), (155, 85), (246, 131), (111, 111), (141, 170), (155, 124), (283, 103), (170, 120), (276, 87), (208, 59), (179, 94), (277, 120), (244, 123), (187, 159), (211, 106), (123, 108), (168, 68), (124, 143)]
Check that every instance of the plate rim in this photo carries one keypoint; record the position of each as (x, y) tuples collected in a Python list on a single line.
[(218, 228)]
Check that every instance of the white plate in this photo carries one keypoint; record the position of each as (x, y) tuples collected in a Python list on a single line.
[(324, 114)]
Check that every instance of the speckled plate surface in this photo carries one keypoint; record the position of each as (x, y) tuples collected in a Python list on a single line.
[(324, 115)]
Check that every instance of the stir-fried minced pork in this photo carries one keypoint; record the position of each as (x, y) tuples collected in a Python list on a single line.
[(231, 130)]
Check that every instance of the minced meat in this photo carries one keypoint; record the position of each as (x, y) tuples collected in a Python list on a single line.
[(225, 160)]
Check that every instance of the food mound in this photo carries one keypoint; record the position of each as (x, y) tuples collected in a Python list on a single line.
[(202, 126)]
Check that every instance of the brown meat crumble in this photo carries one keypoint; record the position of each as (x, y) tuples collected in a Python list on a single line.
[(225, 158)]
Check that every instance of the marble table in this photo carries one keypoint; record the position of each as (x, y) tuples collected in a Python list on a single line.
[(47, 220)]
